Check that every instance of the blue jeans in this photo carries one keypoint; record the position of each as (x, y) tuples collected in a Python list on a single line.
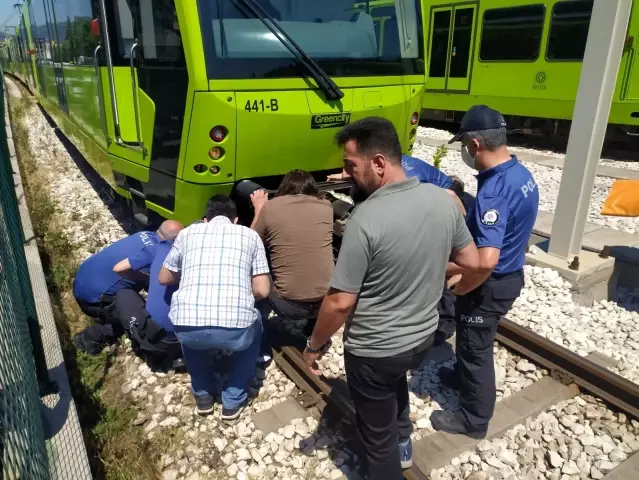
[(199, 345)]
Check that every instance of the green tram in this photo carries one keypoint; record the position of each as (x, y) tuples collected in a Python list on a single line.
[(173, 101), (522, 57)]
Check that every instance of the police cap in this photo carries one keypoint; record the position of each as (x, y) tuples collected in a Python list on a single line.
[(479, 117)]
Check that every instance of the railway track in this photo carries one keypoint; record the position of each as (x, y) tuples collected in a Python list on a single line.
[(570, 375)]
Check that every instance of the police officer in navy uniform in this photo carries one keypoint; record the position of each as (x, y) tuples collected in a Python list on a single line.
[(500, 221), (96, 284)]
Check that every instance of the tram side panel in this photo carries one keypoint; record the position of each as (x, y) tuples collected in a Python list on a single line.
[(524, 59)]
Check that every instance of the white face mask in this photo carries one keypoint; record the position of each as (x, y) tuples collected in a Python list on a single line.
[(467, 157)]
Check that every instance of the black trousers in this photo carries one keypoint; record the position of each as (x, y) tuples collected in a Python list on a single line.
[(285, 310), (104, 331), (379, 389), (477, 316), (102, 311), (146, 335)]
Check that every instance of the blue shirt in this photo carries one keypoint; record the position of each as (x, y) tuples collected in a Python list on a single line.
[(96, 277), (504, 212), (158, 301), (425, 172)]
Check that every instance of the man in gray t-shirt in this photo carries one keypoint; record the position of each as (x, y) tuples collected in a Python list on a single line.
[(386, 286)]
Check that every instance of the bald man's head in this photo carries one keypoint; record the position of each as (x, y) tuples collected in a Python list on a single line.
[(170, 229)]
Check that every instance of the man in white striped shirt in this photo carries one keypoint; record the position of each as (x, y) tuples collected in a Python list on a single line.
[(222, 270)]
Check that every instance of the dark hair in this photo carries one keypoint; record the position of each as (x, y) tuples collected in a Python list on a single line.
[(220, 205), (457, 186), (297, 182), (372, 135), (491, 139)]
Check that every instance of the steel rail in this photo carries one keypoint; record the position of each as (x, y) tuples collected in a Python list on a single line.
[(601, 382)]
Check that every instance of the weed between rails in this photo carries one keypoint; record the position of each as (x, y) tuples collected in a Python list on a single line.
[(117, 449)]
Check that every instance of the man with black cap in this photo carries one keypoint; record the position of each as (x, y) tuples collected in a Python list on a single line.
[(500, 221)]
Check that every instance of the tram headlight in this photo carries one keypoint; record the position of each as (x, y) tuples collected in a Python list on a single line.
[(414, 119), (216, 153), (215, 170), (218, 133)]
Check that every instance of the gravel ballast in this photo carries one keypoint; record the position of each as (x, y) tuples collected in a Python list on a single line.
[(552, 446), (547, 179)]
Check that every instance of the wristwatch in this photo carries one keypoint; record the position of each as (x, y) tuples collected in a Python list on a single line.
[(321, 349)]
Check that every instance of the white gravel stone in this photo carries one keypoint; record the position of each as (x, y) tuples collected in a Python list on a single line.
[(170, 475), (608, 327), (438, 134), (546, 446)]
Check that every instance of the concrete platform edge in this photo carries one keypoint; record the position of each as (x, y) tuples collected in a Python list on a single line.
[(545, 160), (438, 449), (66, 449)]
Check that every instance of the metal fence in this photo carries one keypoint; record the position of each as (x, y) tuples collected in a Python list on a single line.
[(23, 453)]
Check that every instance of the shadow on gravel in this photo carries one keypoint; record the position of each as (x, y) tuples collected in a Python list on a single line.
[(425, 383), (338, 436), (114, 202)]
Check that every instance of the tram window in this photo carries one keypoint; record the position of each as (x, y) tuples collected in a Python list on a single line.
[(512, 34), (345, 37), (40, 30), (77, 42), (439, 44), (462, 39), (156, 29), (569, 26)]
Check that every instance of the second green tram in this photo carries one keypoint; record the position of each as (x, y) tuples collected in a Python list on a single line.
[(172, 101)]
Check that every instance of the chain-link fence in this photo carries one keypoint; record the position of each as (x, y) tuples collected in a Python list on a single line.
[(23, 453)]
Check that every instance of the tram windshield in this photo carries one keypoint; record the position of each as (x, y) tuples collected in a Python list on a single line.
[(343, 37)]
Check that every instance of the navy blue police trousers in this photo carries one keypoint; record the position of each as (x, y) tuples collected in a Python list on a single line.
[(477, 317)]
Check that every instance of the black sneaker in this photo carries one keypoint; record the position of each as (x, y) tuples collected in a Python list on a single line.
[(85, 344), (204, 404), (449, 377), (449, 422), (229, 414)]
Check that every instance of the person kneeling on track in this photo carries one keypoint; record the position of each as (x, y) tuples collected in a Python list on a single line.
[(147, 323), (222, 270), (385, 287), (96, 284), (501, 222), (296, 227)]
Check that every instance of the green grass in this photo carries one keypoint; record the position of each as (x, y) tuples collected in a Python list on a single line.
[(117, 449)]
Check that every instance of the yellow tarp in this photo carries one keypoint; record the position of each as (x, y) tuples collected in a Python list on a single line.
[(623, 199)]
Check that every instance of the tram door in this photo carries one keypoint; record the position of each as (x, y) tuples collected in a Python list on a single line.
[(450, 48), (146, 94), (630, 89), (147, 81)]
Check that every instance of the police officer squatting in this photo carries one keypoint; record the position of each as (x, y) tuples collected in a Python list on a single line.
[(419, 259)]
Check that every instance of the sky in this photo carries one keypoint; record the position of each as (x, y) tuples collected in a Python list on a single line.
[(6, 9)]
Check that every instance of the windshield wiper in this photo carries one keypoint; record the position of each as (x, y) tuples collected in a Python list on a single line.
[(325, 82)]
